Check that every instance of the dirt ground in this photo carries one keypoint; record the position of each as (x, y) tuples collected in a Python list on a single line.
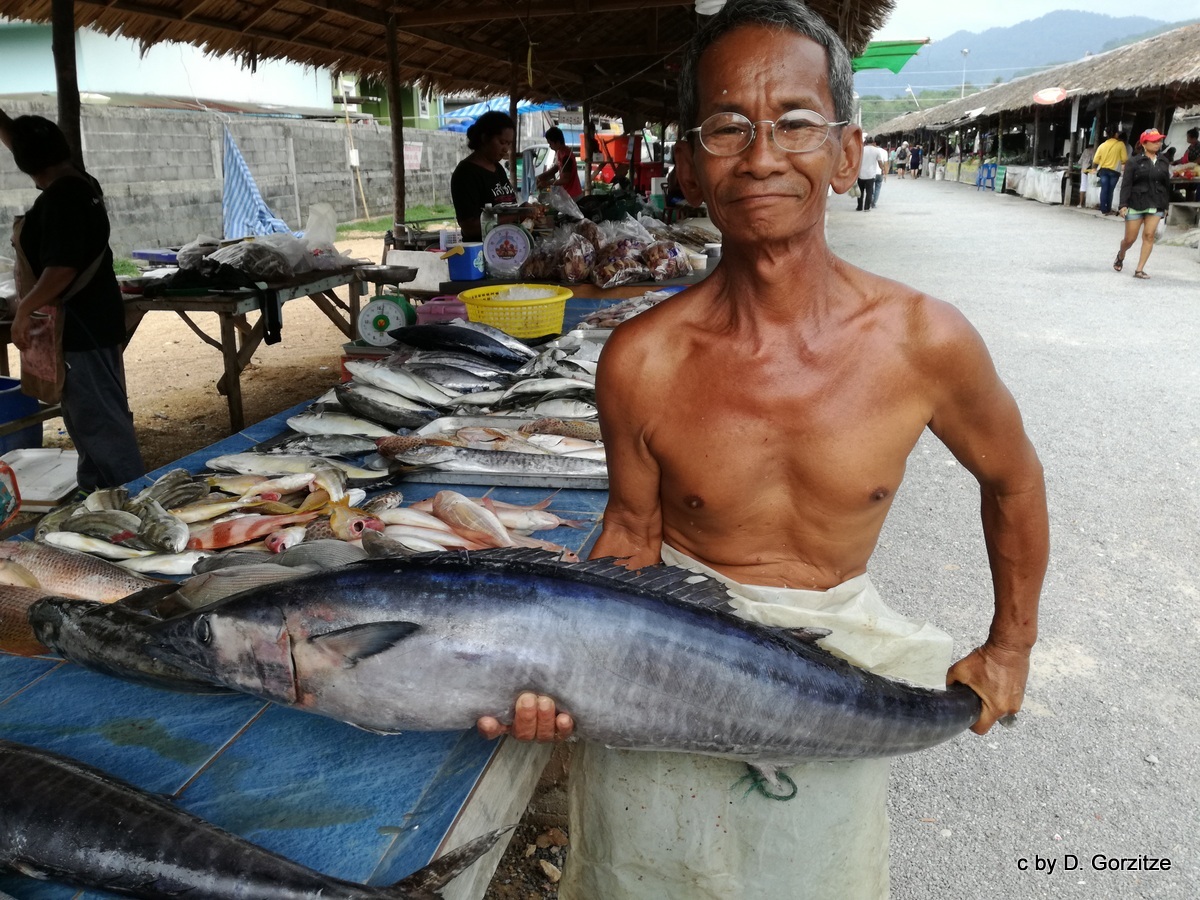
[(172, 380)]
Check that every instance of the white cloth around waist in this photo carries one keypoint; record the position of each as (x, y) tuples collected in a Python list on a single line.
[(864, 630)]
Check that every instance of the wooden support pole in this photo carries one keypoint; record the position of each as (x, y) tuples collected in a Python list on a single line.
[(1037, 127), (589, 136), (62, 42), (396, 113), (514, 87)]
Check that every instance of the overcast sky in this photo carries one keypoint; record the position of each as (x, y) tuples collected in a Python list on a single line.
[(937, 19)]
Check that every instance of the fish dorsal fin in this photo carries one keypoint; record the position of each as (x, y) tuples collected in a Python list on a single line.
[(359, 642), (660, 580), (805, 635), (161, 601)]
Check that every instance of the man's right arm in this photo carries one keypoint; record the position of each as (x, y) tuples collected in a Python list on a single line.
[(632, 529)]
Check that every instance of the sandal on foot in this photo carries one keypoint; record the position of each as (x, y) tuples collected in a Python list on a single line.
[(1140, 274), (1119, 262)]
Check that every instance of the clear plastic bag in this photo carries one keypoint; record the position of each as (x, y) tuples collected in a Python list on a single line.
[(576, 259), (192, 254), (666, 259)]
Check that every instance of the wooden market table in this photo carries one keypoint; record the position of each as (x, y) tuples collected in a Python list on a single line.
[(355, 805), (238, 339)]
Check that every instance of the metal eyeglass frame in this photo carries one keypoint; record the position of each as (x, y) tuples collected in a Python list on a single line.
[(754, 132)]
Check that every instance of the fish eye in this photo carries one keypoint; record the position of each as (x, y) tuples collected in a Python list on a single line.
[(203, 630)]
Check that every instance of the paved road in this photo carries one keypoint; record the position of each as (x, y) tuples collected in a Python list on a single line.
[(1106, 757)]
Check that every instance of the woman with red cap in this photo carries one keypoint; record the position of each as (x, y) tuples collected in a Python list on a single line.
[(1145, 194)]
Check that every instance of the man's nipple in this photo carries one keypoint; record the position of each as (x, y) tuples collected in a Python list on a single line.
[(693, 502), (880, 493)]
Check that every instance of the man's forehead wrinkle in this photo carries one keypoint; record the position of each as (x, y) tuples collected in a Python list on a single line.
[(798, 81)]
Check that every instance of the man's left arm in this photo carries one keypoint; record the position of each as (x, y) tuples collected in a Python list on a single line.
[(977, 419)]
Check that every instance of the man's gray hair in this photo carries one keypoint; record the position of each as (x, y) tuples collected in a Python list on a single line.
[(786, 15)]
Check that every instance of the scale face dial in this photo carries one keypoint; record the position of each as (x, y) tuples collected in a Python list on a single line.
[(379, 317)]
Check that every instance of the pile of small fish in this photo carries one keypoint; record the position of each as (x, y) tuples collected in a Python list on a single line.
[(273, 504), (446, 384)]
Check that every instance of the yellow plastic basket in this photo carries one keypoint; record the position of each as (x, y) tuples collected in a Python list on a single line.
[(520, 318)]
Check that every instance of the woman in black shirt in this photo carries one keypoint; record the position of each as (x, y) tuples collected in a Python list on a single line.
[(480, 179), (1145, 194), (64, 238)]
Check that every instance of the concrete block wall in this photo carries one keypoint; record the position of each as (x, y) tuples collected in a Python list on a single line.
[(161, 170)]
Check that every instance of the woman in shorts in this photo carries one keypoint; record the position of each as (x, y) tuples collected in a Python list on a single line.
[(1145, 194)]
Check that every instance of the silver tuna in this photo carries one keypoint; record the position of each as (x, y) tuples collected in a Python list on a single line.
[(645, 660)]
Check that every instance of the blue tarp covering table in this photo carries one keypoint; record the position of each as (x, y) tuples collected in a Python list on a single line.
[(358, 806)]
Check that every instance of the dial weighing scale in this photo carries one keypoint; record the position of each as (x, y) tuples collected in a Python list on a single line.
[(384, 312)]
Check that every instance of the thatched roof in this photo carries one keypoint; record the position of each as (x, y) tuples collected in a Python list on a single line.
[(1164, 68), (622, 54)]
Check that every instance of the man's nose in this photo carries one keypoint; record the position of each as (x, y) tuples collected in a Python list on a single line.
[(763, 151)]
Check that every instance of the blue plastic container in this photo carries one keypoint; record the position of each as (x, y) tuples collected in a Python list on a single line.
[(14, 405), (468, 265)]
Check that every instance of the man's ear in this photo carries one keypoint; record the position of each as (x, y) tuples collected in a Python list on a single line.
[(685, 173), (845, 171)]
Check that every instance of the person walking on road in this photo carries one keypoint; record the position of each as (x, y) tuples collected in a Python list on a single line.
[(1145, 195), (1107, 161), (870, 172)]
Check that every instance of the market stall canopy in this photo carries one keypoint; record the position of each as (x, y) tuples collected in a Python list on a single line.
[(890, 55), (621, 55), (1163, 69)]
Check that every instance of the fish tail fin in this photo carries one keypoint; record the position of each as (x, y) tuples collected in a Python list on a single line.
[(428, 883), (573, 523)]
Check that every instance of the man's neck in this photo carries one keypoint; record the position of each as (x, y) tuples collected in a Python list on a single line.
[(774, 283)]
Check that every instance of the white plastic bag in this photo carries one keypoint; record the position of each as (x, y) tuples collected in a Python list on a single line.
[(321, 229)]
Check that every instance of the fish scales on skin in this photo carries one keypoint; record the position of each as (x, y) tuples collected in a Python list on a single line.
[(641, 660), (113, 525), (111, 639), (74, 574), (384, 501), (176, 488), (460, 459), (16, 634), (160, 529), (64, 820), (243, 530), (580, 430)]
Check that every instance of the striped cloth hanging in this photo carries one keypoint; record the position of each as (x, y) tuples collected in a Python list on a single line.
[(243, 209)]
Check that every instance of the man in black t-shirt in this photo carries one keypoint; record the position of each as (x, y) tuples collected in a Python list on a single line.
[(64, 239)]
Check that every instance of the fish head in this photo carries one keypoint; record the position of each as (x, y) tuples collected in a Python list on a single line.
[(55, 620), (251, 653)]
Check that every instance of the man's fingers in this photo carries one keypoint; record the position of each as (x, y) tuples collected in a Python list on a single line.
[(491, 727), (525, 723), (545, 719), (564, 726)]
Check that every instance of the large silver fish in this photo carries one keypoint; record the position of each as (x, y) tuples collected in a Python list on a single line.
[(63, 820), (645, 660)]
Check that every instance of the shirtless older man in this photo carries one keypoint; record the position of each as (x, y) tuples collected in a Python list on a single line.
[(757, 428)]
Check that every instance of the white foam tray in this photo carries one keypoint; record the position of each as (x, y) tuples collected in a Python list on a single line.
[(45, 475)]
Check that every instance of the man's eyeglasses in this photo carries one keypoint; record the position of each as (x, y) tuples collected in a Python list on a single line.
[(798, 131)]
